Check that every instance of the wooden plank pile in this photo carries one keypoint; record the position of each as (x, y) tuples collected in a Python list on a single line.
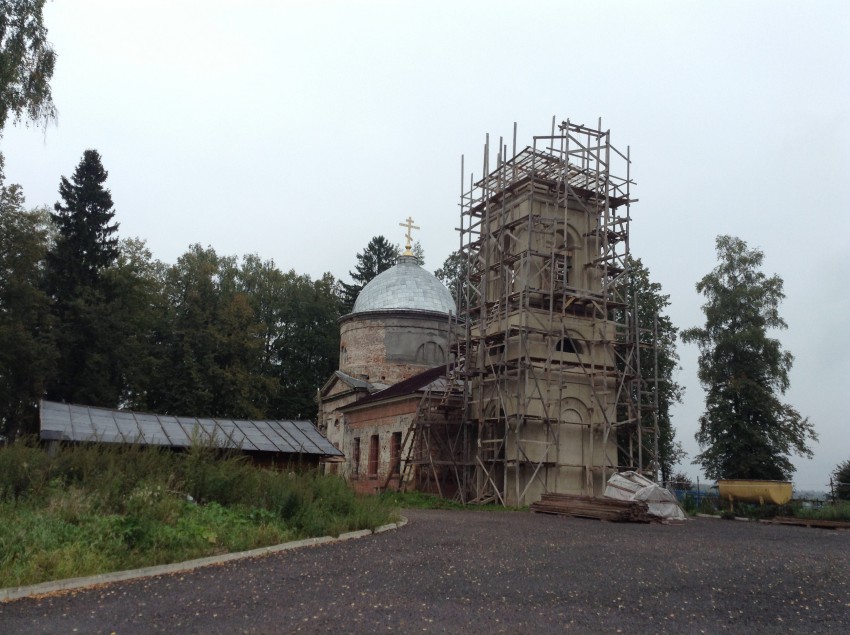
[(617, 511), (807, 522)]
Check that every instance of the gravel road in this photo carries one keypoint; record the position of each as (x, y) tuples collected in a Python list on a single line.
[(490, 572)]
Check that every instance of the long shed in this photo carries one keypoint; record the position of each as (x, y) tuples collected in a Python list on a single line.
[(276, 441)]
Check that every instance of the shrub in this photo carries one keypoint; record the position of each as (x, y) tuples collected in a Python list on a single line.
[(841, 476)]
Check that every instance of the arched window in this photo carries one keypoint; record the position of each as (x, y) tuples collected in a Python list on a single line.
[(569, 345), (430, 353)]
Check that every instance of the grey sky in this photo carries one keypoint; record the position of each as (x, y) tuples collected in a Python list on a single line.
[(299, 130)]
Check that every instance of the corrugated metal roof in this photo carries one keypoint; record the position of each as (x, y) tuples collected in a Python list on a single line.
[(67, 422)]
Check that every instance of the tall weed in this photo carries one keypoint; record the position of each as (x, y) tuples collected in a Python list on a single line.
[(839, 510), (95, 508), (24, 471)]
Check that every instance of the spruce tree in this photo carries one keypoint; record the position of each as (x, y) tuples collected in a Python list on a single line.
[(88, 337), (378, 256), (86, 244)]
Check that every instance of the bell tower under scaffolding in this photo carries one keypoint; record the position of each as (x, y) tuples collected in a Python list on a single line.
[(547, 379)]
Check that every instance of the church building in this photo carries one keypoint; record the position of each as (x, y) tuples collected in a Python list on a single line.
[(394, 346)]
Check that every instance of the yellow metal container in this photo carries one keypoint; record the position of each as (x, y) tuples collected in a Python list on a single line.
[(776, 492)]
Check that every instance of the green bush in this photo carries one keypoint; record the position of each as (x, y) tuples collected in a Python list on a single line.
[(280, 497)]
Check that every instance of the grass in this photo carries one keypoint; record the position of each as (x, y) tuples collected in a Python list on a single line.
[(840, 510), (420, 500), (98, 508)]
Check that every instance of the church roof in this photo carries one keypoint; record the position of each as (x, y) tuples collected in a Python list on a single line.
[(406, 286), (353, 383), (433, 378)]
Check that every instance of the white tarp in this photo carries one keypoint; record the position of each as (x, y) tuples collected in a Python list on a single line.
[(628, 486)]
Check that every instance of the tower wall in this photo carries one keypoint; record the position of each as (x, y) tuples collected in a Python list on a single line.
[(545, 252)]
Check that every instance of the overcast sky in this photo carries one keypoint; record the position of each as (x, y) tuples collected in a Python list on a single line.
[(299, 130)]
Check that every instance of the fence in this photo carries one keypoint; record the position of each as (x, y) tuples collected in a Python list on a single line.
[(701, 495)]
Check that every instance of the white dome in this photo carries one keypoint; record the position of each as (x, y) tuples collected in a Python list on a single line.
[(405, 286)]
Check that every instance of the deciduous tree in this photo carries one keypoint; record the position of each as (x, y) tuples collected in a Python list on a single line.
[(841, 480), (136, 297), (296, 318), (307, 350), (243, 341), (453, 274), (210, 344), (26, 63), (746, 431), (681, 481), (658, 345), (27, 353)]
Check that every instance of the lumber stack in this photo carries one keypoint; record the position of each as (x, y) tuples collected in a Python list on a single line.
[(617, 511), (807, 522)]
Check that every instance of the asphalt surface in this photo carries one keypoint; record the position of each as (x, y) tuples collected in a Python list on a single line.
[(490, 572)]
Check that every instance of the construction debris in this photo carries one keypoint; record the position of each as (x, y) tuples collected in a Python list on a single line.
[(807, 522), (629, 497), (618, 511), (631, 486)]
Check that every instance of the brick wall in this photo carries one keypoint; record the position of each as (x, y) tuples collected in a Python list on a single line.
[(382, 420)]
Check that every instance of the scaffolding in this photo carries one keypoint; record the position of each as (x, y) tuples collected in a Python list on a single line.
[(547, 392), (437, 443)]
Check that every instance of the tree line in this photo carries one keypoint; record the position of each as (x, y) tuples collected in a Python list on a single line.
[(88, 318)]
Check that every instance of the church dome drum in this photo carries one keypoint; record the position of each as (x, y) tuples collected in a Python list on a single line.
[(398, 327)]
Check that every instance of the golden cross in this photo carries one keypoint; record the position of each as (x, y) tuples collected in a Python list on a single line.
[(410, 226)]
